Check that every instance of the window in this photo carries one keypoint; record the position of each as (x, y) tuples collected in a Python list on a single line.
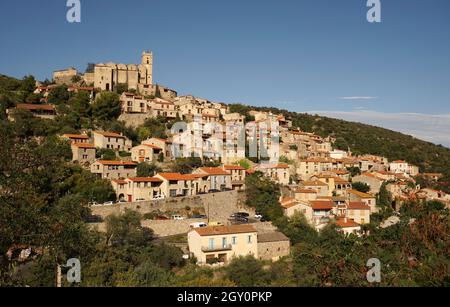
[(249, 239), (173, 193), (211, 244), (234, 240), (224, 242)]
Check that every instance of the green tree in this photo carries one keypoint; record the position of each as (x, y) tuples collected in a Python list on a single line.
[(106, 154), (58, 95), (186, 165), (106, 107), (121, 88), (247, 272), (263, 194), (147, 170), (361, 187), (126, 229)]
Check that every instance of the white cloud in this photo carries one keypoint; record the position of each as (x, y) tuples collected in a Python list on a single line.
[(432, 128), (358, 98)]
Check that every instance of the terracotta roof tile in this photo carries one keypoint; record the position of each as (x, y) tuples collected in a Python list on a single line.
[(224, 230), (84, 145)]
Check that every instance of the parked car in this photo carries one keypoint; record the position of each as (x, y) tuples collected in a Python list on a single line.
[(243, 214), (177, 217), (200, 216), (240, 219), (258, 216), (122, 201), (108, 203), (198, 225), (162, 218), (140, 199), (215, 224), (93, 204), (239, 214)]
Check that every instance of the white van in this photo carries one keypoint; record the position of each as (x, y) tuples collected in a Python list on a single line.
[(198, 225)]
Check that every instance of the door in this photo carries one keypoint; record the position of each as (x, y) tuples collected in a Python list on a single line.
[(130, 198)]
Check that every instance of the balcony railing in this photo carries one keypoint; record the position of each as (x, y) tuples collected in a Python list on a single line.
[(217, 248)]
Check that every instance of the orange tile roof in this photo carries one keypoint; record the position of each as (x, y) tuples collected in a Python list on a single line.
[(358, 205), (214, 171), (340, 180), (321, 205), (76, 136), (119, 181), (346, 223), (109, 134), (106, 162), (224, 230), (84, 145), (179, 176), (145, 179), (234, 168)]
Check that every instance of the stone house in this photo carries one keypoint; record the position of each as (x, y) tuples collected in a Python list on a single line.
[(83, 153), (221, 244), (372, 180), (176, 184), (273, 246), (146, 153), (367, 198), (76, 138), (137, 189), (114, 169), (164, 144), (238, 175), (111, 140), (218, 178), (279, 173)]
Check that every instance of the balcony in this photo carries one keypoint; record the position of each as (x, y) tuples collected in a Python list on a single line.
[(228, 247)]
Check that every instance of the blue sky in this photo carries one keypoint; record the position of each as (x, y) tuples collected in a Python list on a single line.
[(320, 56)]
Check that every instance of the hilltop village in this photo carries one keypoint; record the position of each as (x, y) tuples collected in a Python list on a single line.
[(205, 200)]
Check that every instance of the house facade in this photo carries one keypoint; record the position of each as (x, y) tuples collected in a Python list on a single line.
[(111, 140), (223, 243), (83, 153), (146, 153), (114, 169)]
